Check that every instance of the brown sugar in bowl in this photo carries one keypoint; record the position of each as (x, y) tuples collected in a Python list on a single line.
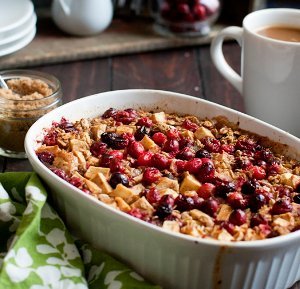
[(31, 94)]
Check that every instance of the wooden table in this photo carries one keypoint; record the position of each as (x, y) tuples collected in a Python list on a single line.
[(188, 71)]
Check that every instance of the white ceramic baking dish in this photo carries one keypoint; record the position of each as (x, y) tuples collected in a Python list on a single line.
[(172, 260)]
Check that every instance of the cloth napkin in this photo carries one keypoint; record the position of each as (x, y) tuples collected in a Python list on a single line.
[(38, 252)]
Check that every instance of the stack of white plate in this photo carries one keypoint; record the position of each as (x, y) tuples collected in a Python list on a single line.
[(17, 25)]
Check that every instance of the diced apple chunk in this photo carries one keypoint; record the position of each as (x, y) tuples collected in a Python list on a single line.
[(159, 117), (97, 130), (290, 179), (143, 205), (78, 145), (172, 226), (124, 129), (92, 171), (189, 183), (94, 188), (127, 194), (202, 132), (101, 181), (167, 183), (171, 192), (122, 205), (148, 143)]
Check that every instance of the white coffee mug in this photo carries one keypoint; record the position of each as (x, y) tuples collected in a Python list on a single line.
[(270, 68)]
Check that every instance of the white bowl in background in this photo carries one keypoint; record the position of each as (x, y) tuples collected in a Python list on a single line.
[(18, 44), (28, 26), (14, 13), (175, 261)]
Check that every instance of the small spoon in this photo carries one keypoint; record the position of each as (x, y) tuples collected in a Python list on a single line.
[(2, 83)]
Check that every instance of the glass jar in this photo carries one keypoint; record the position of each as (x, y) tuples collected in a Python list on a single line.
[(185, 17), (31, 94)]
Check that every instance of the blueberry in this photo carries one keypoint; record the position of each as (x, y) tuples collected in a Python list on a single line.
[(118, 178)]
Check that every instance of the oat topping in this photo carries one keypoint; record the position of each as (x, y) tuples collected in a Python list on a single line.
[(203, 178)]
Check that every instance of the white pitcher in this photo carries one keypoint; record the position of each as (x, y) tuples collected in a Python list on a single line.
[(82, 17)]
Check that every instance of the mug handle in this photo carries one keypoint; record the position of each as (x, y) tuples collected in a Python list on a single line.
[(218, 57)]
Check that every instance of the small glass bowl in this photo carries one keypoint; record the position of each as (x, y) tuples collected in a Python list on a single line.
[(17, 115), (185, 17)]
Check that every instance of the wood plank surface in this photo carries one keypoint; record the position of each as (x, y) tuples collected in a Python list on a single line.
[(174, 70)]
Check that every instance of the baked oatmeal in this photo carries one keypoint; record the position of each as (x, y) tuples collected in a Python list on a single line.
[(199, 177)]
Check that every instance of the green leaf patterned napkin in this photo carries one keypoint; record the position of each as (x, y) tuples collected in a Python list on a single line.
[(37, 251)]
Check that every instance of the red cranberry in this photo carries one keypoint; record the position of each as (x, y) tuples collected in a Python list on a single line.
[(118, 178), (144, 159), (245, 144), (184, 203), (62, 174), (238, 217), (180, 165), (116, 165), (249, 187), (202, 153), (173, 134), (211, 144), (186, 154), (183, 9), (228, 227), (46, 157), (109, 113), (284, 191), (98, 148), (135, 149), (242, 163), (66, 125), (199, 11), (132, 112), (273, 169), (153, 196), (224, 188), (206, 190), (159, 138), (160, 161), (264, 155), (236, 200), (128, 136), (151, 175), (124, 117), (228, 148), (50, 139), (207, 170), (76, 182), (171, 145), (107, 158), (141, 132), (185, 142), (210, 207), (258, 172), (193, 166), (261, 164), (258, 219), (137, 213), (144, 121), (281, 207), (189, 125)]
